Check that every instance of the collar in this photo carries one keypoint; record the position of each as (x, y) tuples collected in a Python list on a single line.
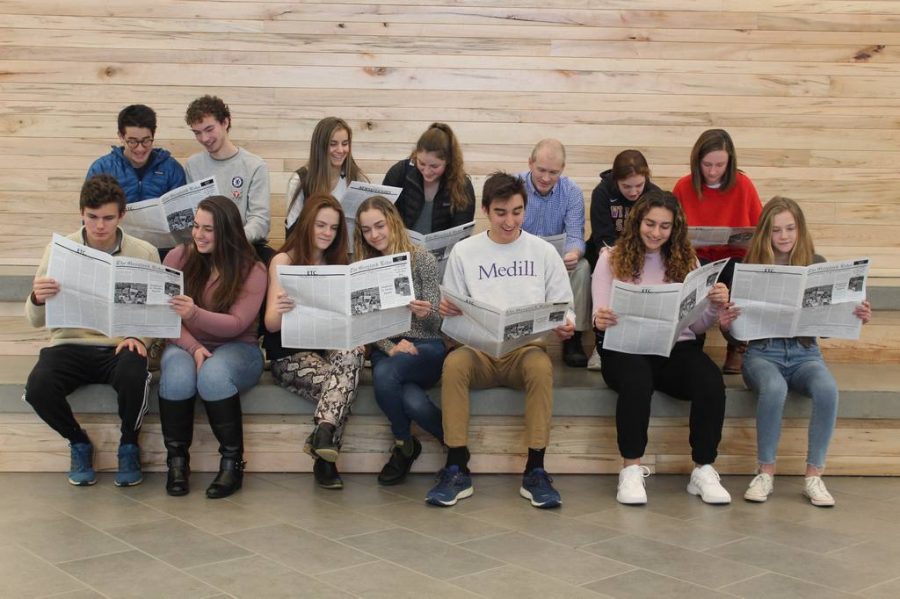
[(116, 249), (532, 188)]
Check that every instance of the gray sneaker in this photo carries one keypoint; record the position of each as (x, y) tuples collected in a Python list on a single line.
[(760, 488)]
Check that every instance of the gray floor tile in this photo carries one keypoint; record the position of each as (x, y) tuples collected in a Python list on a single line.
[(135, 574), (547, 558), (85, 594), (551, 525), (298, 549), (641, 583), (512, 581), (420, 553), (333, 521), (882, 554), (214, 517), (258, 576), (59, 538), (104, 508), (446, 525), (691, 566), (178, 543), (25, 575), (775, 585), (384, 579), (636, 520), (885, 590)]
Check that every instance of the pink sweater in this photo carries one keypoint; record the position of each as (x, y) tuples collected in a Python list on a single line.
[(653, 274), (212, 329)]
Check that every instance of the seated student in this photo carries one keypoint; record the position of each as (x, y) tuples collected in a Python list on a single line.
[(654, 250), (716, 194), (437, 193), (241, 176), (611, 201), (144, 172), (773, 366), (329, 170), (556, 205), (217, 356), (328, 378), (78, 357), (478, 268), (404, 366)]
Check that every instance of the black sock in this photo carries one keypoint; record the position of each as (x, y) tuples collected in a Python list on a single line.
[(79, 436), (535, 459), (458, 456)]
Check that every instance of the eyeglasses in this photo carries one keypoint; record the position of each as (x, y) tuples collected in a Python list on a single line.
[(134, 143)]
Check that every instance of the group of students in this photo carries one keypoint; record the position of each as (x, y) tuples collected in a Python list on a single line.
[(639, 234)]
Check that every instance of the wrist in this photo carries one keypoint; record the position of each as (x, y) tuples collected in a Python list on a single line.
[(34, 300)]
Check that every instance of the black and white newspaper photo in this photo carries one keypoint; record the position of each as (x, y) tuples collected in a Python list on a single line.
[(736, 237), (166, 221), (440, 243), (357, 193), (807, 301), (650, 318), (341, 307), (498, 331), (117, 296), (558, 242)]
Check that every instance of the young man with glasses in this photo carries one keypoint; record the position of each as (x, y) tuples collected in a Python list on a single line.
[(143, 171)]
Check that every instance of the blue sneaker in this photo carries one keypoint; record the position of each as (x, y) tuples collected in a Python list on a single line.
[(129, 473), (452, 486), (536, 487), (81, 471)]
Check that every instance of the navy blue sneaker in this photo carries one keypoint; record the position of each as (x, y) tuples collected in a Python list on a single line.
[(536, 488), (129, 473), (81, 471), (452, 486)]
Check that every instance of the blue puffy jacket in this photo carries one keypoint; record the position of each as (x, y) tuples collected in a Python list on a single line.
[(163, 173)]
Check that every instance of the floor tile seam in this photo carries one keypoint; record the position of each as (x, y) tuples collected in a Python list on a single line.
[(60, 570), (852, 546), (408, 569), (793, 548), (807, 581), (645, 535), (671, 577), (747, 533), (291, 568), (877, 584), (556, 581)]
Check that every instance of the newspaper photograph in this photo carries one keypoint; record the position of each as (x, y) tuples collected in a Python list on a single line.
[(357, 193), (736, 237), (166, 221), (650, 318), (805, 301), (558, 242), (342, 307), (498, 331), (440, 243), (116, 296)]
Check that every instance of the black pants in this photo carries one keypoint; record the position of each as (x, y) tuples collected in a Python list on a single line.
[(687, 374), (63, 368)]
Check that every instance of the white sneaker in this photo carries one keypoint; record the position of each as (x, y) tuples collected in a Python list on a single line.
[(631, 485), (594, 361), (705, 483), (817, 493), (760, 488)]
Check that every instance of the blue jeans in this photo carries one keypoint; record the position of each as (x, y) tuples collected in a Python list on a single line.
[(400, 381), (771, 368), (233, 367)]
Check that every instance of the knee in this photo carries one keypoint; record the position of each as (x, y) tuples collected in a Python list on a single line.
[(824, 393), (385, 372), (39, 385), (214, 382), (537, 367), (458, 365), (131, 366)]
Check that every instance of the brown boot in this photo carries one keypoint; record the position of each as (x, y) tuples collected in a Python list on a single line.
[(734, 358)]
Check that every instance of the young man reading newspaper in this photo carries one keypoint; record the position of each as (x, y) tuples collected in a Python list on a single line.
[(78, 357), (507, 267)]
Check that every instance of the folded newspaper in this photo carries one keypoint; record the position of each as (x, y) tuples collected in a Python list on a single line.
[(115, 295), (166, 221), (356, 194), (804, 301), (341, 307), (440, 243), (650, 318), (736, 237), (558, 242), (498, 331)]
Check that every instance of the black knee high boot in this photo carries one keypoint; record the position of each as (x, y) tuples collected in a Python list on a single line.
[(177, 421), (226, 423)]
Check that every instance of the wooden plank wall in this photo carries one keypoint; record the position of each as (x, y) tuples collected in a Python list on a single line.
[(809, 90)]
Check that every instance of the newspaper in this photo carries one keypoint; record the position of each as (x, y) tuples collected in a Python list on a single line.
[(357, 193), (341, 307), (440, 243), (558, 242), (166, 221), (652, 317), (799, 301), (117, 296), (498, 331), (737, 237)]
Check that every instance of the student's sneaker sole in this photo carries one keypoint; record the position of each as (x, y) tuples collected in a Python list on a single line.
[(547, 504), (129, 484), (461, 495), (86, 483)]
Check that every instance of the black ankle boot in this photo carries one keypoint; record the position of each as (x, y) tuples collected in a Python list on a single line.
[(226, 424), (177, 421), (573, 352)]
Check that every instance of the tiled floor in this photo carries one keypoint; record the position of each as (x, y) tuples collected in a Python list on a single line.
[(282, 537)]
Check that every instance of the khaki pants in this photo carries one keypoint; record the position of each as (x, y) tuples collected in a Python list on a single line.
[(580, 280), (527, 368)]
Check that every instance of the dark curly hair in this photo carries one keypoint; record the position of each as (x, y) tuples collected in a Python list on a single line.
[(100, 190), (208, 105)]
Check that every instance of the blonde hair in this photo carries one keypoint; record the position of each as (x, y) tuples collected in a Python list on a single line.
[(398, 239), (761, 251)]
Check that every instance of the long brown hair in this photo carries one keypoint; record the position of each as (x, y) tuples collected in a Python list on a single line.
[(398, 239), (232, 257), (316, 175), (440, 140), (713, 140), (761, 251), (627, 259), (300, 245)]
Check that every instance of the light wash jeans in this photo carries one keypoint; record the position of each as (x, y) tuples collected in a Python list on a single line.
[(233, 367), (771, 368)]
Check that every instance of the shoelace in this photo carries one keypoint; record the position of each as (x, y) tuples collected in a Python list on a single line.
[(817, 487)]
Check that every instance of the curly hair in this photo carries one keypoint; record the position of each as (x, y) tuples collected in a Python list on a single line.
[(208, 105), (627, 259), (100, 190)]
